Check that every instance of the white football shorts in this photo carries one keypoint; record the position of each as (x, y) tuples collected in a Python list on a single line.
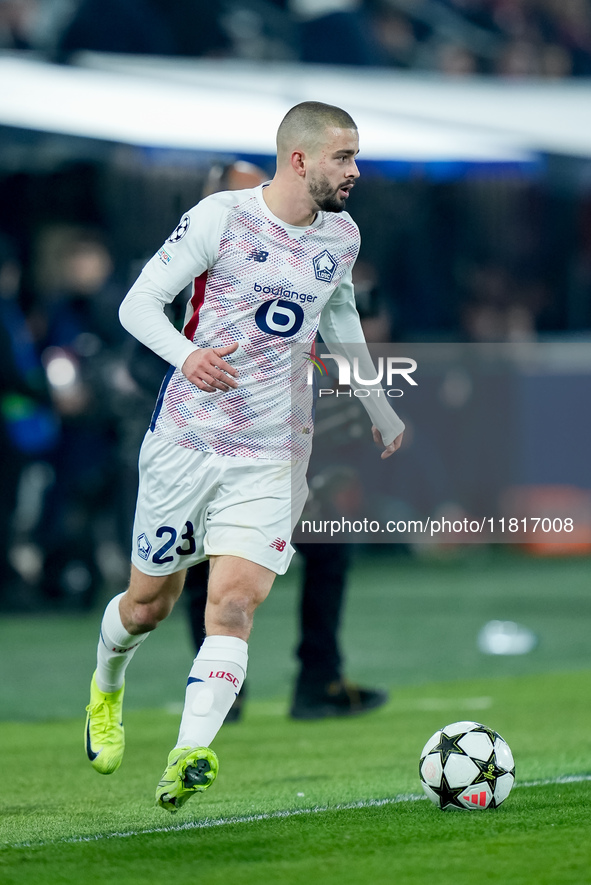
[(193, 504)]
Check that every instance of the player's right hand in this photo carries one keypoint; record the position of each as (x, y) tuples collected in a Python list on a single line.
[(206, 369)]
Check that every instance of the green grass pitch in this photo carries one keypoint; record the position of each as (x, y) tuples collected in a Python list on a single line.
[(325, 802)]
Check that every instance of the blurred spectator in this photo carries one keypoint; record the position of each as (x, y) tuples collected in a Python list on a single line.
[(33, 24), (515, 38), (16, 22), (456, 61), (519, 58), (150, 27), (261, 30), (83, 341), (498, 307), (235, 176), (27, 426), (337, 32), (555, 61), (572, 20), (396, 36)]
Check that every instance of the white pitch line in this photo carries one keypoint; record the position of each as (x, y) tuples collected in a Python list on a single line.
[(207, 823)]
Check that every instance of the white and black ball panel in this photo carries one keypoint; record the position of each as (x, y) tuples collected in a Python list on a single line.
[(477, 744), (460, 771), (462, 727), (504, 755), (431, 769), (432, 742), (431, 794), (503, 786)]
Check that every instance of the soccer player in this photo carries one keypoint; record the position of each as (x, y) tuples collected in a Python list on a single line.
[(222, 466)]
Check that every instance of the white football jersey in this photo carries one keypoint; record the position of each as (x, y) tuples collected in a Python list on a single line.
[(262, 283)]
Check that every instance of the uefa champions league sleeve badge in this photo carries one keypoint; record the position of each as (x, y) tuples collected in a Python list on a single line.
[(180, 230)]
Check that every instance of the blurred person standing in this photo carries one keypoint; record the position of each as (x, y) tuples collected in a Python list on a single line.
[(82, 342), (28, 428)]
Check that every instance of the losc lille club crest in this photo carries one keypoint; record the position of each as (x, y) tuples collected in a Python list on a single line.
[(144, 548), (324, 267)]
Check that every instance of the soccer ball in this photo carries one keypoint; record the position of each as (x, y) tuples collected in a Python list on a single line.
[(467, 765)]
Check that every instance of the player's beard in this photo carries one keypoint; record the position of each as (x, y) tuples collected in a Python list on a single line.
[(325, 195)]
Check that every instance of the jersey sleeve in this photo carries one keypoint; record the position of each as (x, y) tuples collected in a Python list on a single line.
[(191, 249), (341, 331), (142, 314)]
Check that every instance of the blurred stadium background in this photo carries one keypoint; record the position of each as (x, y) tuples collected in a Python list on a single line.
[(475, 214)]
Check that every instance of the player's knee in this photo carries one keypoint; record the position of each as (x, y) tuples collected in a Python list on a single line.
[(149, 600), (235, 609), (147, 616)]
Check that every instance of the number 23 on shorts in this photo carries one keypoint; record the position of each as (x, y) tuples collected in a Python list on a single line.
[(166, 531)]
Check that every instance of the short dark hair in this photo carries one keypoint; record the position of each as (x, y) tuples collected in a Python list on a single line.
[(306, 122)]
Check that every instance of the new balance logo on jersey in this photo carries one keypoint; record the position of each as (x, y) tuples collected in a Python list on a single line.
[(257, 255), (278, 544)]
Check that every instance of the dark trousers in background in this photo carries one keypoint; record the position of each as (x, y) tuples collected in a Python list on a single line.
[(321, 603)]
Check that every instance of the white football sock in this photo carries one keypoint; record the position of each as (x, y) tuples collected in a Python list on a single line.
[(215, 679), (116, 648)]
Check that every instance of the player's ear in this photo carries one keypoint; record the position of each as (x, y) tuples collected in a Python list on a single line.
[(298, 162)]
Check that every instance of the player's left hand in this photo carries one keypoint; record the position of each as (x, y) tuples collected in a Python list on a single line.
[(388, 450)]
